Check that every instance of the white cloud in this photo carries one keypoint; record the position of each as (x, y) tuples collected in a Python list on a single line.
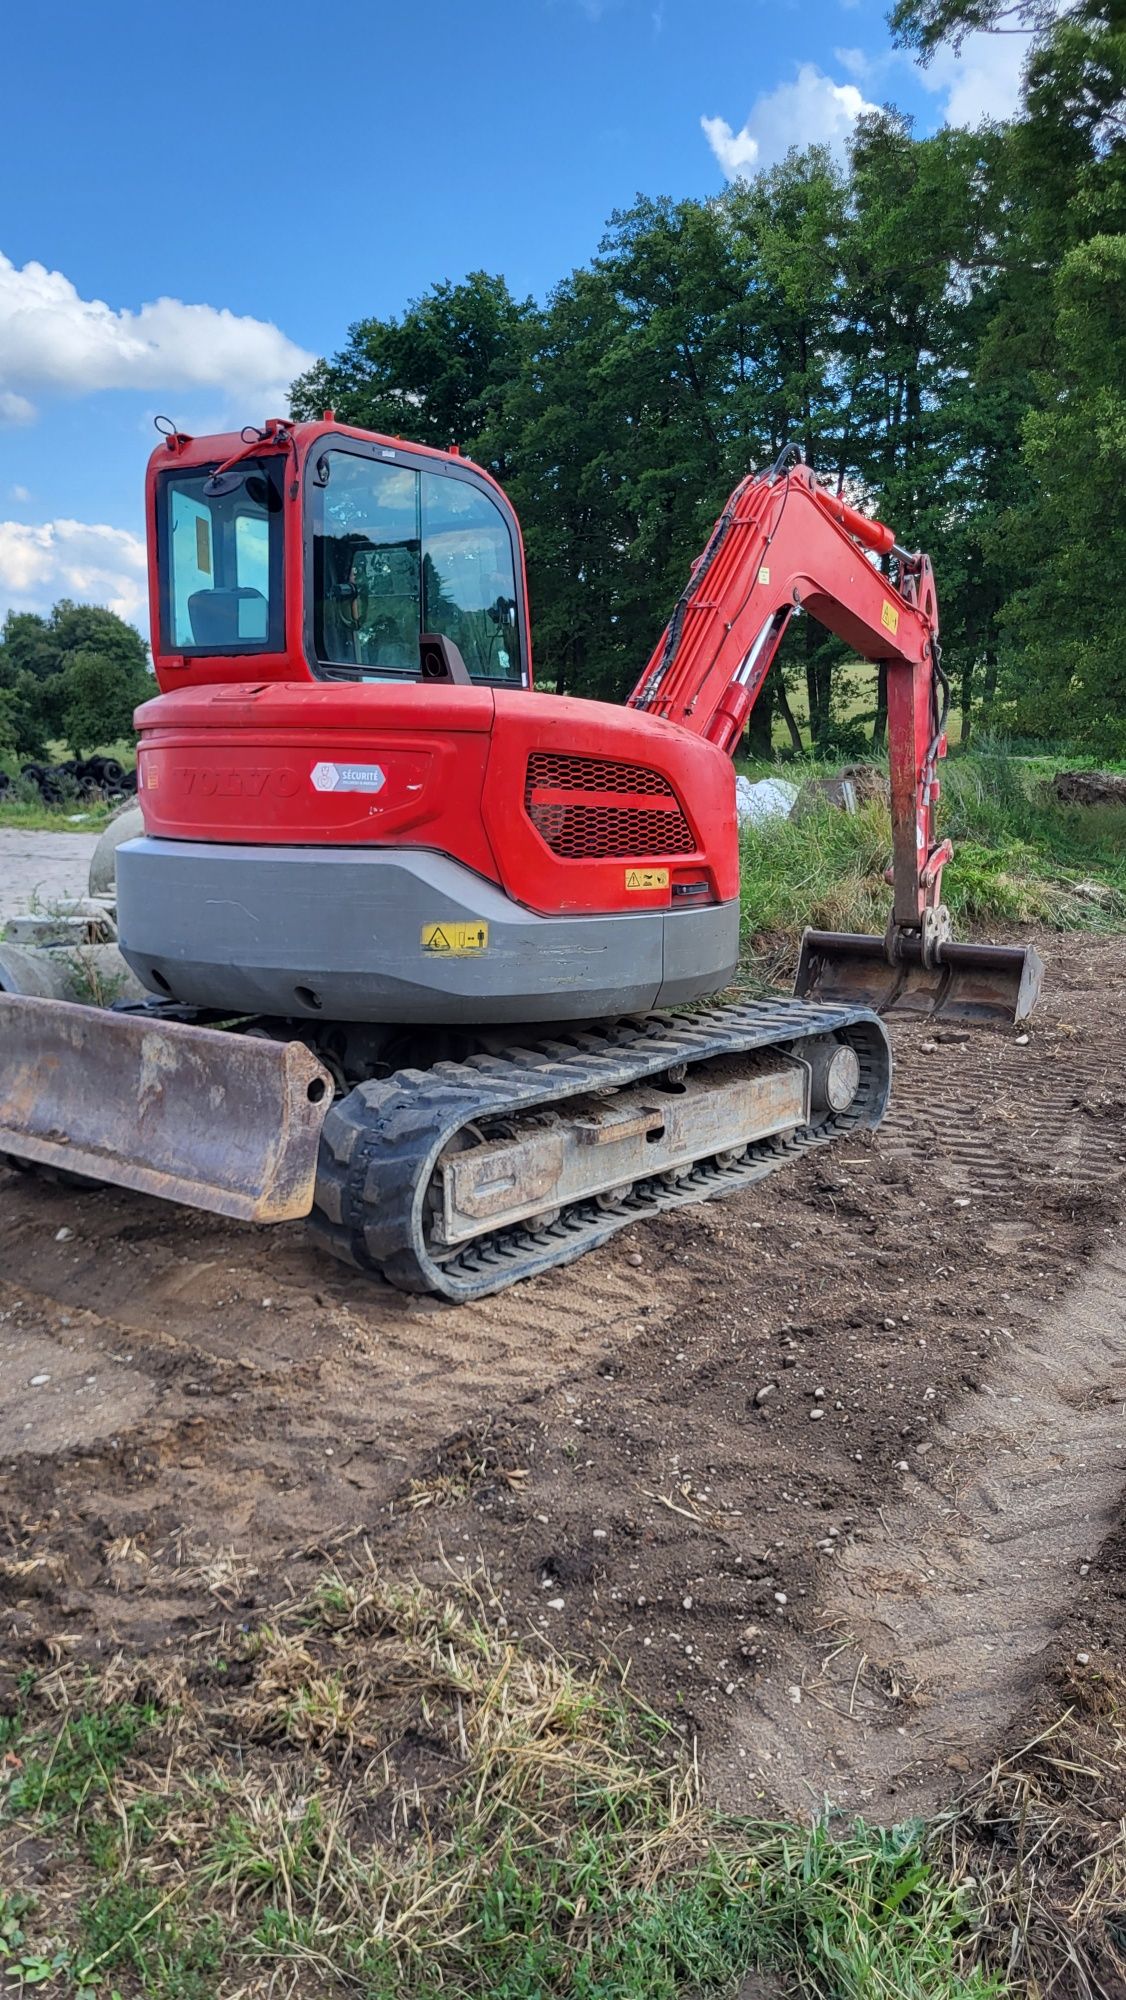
[(53, 340), (983, 81), (20, 493), (857, 63), (15, 409), (810, 110), (95, 564)]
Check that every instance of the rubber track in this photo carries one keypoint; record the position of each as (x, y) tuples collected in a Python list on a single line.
[(381, 1142)]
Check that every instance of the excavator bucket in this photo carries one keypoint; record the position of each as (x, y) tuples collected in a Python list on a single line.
[(217, 1120), (970, 982)]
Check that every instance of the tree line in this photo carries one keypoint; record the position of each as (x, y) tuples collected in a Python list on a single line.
[(938, 322)]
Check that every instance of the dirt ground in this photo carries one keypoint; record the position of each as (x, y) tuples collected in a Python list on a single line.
[(837, 1465)]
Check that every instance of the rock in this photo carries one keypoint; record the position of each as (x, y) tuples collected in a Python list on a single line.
[(767, 1389), (63, 1235), (686, 1603), (957, 1762), (855, 785), (769, 798), (555, 1603), (635, 1259), (789, 1361), (1082, 1659), (40, 1381), (816, 1414)]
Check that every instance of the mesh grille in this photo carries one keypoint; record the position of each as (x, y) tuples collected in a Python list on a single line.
[(588, 809)]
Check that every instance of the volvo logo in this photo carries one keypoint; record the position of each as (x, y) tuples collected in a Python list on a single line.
[(213, 781)]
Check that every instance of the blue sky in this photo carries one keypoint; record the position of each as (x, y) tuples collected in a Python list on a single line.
[(193, 201)]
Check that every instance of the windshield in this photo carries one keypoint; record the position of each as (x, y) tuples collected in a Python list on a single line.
[(221, 559), (398, 552)]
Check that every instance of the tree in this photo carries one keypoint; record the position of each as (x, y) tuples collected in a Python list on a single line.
[(1065, 663), (924, 25), (97, 697), (434, 375), (49, 685)]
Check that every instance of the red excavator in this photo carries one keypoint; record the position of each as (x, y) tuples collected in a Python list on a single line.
[(411, 931)]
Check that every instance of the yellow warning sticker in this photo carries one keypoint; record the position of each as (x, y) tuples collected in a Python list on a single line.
[(764, 576), (889, 617), (647, 878), (459, 940)]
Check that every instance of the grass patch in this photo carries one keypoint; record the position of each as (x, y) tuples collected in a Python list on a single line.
[(386, 1795), (1019, 858), (74, 816)]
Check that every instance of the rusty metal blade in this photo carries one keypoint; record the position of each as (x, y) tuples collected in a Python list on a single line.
[(220, 1121), (971, 982)]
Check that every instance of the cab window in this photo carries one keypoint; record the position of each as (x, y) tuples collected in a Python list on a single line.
[(469, 590), (220, 550), (399, 551)]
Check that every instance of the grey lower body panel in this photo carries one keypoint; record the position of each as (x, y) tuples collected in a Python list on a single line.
[(337, 933)]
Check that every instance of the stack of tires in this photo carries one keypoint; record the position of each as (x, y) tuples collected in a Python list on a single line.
[(78, 778)]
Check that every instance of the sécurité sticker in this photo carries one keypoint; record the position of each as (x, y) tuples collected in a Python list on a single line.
[(647, 878)]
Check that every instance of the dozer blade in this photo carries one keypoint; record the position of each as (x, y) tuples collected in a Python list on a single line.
[(971, 982), (217, 1120)]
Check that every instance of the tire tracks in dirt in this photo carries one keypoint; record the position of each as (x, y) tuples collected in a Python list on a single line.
[(936, 1620)]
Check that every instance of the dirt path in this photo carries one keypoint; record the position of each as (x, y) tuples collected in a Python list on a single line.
[(39, 869), (844, 1585)]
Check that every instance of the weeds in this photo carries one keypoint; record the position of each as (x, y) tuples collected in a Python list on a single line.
[(389, 1796), (1019, 857), (1042, 1841), (80, 1761), (21, 806)]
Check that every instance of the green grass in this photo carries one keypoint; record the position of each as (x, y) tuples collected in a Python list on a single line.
[(1019, 858), (74, 816), (274, 1833), (61, 1773)]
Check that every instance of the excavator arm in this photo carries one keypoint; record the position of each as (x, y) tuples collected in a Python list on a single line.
[(784, 543)]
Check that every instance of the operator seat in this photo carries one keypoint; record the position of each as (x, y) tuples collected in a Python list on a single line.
[(218, 619)]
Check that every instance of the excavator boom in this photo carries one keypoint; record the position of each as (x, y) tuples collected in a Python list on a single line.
[(785, 543)]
